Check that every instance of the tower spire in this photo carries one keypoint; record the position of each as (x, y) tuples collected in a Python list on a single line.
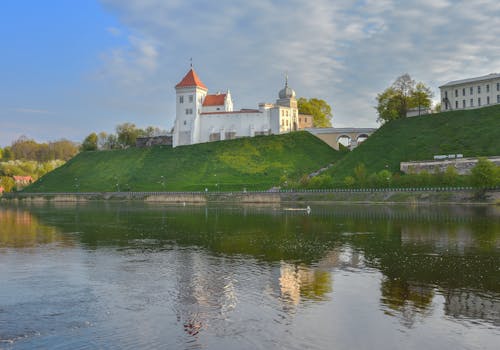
[(286, 79), (191, 62)]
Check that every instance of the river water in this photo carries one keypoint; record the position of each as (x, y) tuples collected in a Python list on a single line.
[(149, 276)]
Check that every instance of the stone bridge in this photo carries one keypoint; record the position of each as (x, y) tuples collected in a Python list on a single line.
[(349, 137)]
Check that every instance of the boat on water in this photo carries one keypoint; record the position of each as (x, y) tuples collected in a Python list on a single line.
[(307, 209)]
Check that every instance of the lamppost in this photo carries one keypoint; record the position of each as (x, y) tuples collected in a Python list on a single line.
[(162, 182), (77, 185)]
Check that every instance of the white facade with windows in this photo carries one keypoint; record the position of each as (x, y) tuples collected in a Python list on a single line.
[(471, 93), (203, 117)]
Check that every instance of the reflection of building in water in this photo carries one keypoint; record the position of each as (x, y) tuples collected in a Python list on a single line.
[(299, 281), (406, 300), (466, 304), (19, 229), (205, 291)]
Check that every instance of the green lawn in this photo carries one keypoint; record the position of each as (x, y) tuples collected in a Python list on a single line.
[(253, 163), (471, 133)]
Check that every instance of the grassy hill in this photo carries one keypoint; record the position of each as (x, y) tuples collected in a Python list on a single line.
[(252, 163), (470, 132)]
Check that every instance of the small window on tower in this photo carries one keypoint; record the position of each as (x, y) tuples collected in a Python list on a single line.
[(190, 98), (181, 99)]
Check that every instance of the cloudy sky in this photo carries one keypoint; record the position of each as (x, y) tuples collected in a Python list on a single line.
[(68, 68)]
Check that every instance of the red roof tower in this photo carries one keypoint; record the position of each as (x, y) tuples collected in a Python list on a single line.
[(191, 79)]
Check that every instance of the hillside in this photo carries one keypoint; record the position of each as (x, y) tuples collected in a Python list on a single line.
[(251, 163), (471, 133)]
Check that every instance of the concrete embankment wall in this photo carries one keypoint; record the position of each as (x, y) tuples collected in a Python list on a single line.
[(463, 166), (423, 196)]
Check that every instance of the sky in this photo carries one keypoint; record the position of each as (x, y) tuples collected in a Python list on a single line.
[(69, 68)]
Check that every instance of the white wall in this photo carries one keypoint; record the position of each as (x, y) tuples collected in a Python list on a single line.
[(493, 94), (244, 124)]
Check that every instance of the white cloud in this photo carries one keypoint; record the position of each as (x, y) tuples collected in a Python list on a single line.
[(30, 111), (344, 52)]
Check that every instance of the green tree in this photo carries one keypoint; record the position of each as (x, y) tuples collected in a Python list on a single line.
[(319, 109), (360, 174), (395, 101), (421, 97), (90, 143), (349, 181), (127, 134), (484, 175)]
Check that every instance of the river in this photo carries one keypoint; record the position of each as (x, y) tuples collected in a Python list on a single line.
[(134, 275)]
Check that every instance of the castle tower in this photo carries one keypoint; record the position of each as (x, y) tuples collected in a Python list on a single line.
[(189, 93)]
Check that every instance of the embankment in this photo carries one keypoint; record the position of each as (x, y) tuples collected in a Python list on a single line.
[(427, 196)]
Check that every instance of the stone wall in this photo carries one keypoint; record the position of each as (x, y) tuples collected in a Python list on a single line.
[(462, 165), (165, 140)]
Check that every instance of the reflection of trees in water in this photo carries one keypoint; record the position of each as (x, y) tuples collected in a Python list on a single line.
[(20, 229), (447, 248), (406, 300)]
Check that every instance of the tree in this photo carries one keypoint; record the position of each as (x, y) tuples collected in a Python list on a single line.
[(127, 134), (90, 143), (319, 109), (360, 174), (421, 97), (395, 101), (484, 175)]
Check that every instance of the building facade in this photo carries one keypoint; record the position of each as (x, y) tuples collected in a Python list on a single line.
[(203, 117), (471, 93)]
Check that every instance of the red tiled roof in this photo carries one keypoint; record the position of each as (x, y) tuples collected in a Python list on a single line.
[(214, 100), (234, 112), (22, 178), (190, 80)]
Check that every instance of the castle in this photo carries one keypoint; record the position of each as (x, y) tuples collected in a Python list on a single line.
[(203, 117)]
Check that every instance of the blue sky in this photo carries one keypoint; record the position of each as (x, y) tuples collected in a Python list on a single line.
[(68, 68)]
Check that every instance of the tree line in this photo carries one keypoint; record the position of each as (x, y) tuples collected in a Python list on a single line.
[(125, 136), (28, 149)]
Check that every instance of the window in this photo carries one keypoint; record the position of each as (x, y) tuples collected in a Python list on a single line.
[(479, 89), (471, 90), (498, 86), (185, 122), (189, 111), (446, 94), (456, 104), (463, 104), (190, 98), (471, 102), (487, 100), (479, 101), (181, 99), (456, 93), (498, 98), (487, 87), (463, 92)]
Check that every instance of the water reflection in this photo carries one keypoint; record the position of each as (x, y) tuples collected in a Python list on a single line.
[(20, 229), (226, 271)]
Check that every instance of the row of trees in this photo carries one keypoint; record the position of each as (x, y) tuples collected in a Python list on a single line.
[(404, 94), (484, 175), (126, 135), (28, 149)]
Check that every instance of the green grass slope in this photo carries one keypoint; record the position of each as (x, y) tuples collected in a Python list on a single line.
[(252, 163), (471, 133)]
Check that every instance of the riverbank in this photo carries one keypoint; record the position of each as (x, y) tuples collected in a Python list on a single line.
[(424, 196)]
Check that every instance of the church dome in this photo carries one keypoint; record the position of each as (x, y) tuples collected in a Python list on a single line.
[(287, 92)]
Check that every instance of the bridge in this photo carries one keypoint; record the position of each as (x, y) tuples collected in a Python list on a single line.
[(348, 137)]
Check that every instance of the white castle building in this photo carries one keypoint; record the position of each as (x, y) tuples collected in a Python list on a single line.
[(471, 93), (203, 117)]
